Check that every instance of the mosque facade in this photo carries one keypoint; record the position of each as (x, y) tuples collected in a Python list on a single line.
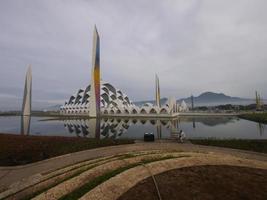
[(103, 99)]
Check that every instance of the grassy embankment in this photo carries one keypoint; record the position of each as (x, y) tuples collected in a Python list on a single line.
[(250, 145), (256, 117), (13, 113), (19, 150), (33, 113)]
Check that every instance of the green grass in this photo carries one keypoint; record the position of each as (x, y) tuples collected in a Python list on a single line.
[(79, 192), (127, 155), (149, 160), (250, 145), (256, 117)]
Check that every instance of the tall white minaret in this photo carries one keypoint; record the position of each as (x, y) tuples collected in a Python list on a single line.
[(157, 91), (27, 98), (94, 104)]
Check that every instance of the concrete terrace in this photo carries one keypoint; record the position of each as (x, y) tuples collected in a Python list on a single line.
[(73, 175)]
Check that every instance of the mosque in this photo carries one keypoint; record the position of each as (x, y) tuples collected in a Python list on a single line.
[(103, 99)]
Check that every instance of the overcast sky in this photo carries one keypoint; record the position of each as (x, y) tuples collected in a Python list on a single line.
[(193, 45)]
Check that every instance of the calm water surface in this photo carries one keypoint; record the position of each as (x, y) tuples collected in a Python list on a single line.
[(194, 127)]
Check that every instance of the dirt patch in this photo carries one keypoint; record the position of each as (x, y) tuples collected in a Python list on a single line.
[(203, 182)]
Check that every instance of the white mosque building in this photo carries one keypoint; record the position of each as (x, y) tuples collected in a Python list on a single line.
[(103, 99)]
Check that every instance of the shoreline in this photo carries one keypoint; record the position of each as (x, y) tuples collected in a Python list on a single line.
[(186, 114)]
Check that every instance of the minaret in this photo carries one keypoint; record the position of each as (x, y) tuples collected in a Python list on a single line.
[(157, 91), (192, 102), (27, 98), (94, 105)]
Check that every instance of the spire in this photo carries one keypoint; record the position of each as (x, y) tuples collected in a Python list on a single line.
[(157, 91), (258, 101), (27, 97), (94, 106), (192, 101), (95, 30)]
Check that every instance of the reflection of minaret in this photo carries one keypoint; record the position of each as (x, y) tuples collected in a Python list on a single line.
[(258, 101), (25, 124), (27, 98), (94, 128), (94, 105), (159, 131), (174, 129), (261, 128), (157, 92), (194, 123)]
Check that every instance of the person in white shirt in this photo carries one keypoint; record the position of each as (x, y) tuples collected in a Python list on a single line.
[(181, 136)]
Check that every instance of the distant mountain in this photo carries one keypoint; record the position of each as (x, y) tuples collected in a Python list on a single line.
[(140, 103), (207, 99), (212, 99)]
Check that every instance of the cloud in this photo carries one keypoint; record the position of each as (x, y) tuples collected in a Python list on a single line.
[(193, 45)]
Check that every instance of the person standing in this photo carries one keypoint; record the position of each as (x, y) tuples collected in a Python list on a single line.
[(181, 136)]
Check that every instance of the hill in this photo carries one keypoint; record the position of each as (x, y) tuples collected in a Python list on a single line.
[(212, 98), (206, 99)]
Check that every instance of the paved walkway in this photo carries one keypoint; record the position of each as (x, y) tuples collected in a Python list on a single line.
[(10, 175)]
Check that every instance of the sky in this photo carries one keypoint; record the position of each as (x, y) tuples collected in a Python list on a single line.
[(193, 45)]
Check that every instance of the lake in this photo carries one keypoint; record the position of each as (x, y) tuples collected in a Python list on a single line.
[(194, 127)]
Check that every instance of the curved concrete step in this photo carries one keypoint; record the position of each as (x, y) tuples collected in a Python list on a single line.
[(70, 185), (39, 182), (113, 188)]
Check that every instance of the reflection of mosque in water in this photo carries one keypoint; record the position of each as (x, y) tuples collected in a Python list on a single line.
[(113, 127), (117, 127)]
